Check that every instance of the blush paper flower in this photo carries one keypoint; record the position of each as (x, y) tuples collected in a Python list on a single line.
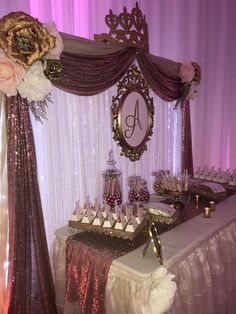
[(187, 72), (57, 50), (11, 75)]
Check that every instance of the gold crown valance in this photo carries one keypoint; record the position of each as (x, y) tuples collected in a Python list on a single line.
[(126, 29)]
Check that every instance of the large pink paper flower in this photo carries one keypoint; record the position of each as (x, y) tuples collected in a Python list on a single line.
[(187, 72), (11, 75), (57, 50)]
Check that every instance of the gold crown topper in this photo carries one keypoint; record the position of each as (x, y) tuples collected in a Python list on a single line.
[(126, 29)]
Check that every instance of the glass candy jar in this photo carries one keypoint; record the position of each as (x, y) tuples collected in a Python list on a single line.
[(112, 183)]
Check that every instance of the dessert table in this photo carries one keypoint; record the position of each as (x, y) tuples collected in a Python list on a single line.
[(200, 252)]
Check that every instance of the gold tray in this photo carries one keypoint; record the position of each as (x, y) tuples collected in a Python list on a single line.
[(207, 192), (159, 216), (125, 235)]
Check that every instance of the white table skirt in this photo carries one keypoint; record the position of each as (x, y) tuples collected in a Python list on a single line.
[(201, 253)]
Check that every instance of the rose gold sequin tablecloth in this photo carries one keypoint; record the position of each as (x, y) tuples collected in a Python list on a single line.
[(88, 260)]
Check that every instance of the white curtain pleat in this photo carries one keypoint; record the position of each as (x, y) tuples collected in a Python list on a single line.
[(3, 205)]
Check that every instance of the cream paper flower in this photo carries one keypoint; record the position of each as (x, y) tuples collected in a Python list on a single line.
[(35, 86), (57, 50)]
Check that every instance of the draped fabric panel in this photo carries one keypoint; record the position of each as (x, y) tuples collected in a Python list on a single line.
[(3, 205), (91, 67), (30, 287), (161, 75), (91, 75)]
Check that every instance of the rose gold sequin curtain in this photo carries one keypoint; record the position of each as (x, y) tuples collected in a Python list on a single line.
[(186, 155), (30, 285), (3, 204)]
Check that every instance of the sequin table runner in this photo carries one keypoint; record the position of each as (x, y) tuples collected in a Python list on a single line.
[(88, 260)]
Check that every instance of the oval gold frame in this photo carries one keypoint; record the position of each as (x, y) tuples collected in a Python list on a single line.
[(132, 82)]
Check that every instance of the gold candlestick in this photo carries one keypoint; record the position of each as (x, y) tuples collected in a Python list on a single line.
[(207, 212), (197, 198)]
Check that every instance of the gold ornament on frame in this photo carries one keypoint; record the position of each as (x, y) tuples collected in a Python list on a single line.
[(132, 114)]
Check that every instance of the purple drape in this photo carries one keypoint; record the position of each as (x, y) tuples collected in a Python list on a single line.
[(161, 75), (30, 285), (91, 67), (90, 75)]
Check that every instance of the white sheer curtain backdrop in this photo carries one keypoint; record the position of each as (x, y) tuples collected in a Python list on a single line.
[(73, 145)]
